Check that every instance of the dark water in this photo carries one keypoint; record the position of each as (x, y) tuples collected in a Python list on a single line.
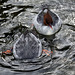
[(16, 15)]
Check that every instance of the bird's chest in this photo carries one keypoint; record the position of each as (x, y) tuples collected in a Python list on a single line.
[(47, 19)]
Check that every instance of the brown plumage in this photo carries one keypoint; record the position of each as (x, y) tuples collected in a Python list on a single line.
[(47, 19)]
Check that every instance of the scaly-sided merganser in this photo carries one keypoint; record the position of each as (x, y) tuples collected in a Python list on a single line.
[(47, 22), (28, 46)]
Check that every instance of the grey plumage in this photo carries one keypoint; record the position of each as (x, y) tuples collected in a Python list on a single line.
[(27, 47)]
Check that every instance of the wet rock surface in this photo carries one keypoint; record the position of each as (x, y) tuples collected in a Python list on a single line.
[(16, 16)]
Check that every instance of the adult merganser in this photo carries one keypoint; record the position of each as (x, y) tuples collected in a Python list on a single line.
[(47, 22), (28, 46)]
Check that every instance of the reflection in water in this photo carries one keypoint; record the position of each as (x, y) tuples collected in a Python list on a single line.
[(16, 17)]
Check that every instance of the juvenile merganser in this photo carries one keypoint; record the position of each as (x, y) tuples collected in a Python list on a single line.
[(47, 22), (28, 46)]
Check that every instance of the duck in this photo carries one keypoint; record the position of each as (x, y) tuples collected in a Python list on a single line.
[(27, 46), (47, 22)]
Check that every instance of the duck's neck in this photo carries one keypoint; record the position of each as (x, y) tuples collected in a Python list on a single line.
[(48, 19)]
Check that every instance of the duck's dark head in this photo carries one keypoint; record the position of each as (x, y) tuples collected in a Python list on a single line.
[(45, 10)]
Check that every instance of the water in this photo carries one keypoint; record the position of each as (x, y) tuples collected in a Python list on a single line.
[(16, 15)]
